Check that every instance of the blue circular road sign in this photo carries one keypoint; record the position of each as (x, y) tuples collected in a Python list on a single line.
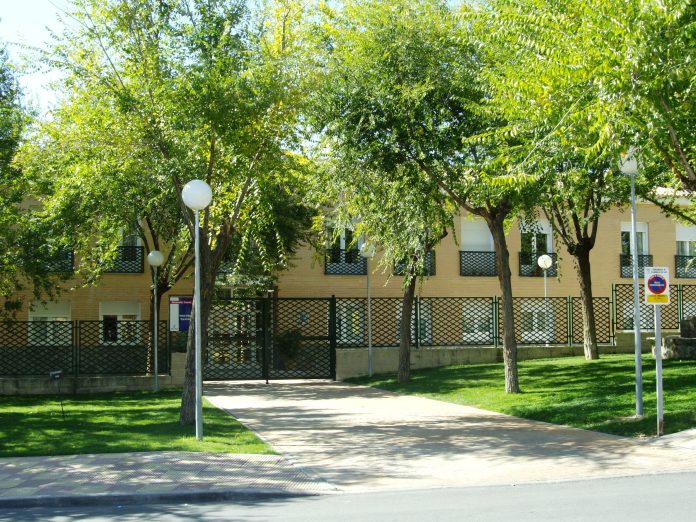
[(657, 284)]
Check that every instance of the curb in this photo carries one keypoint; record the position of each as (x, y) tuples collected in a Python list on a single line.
[(242, 494)]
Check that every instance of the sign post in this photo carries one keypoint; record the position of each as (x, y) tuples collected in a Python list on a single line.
[(657, 294)]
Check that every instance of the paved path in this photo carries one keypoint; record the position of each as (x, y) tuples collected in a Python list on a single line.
[(361, 439), (334, 437)]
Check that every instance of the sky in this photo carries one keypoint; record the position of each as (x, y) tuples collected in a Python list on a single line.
[(25, 22)]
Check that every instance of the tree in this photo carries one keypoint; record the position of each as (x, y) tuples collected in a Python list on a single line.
[(403, 89), (405, 216), (558, 81), (160, 92)]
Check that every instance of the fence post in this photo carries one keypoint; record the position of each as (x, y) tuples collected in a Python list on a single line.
[(496, 322), (332, 335), (680, 304), (569, 314), (418, 325), (613, 316), (265, 309), (76, 347)]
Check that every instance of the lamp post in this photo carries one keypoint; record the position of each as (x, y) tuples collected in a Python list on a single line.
[(545, 263), (629, 166), (197, 195), (367, 250), (155, 259)]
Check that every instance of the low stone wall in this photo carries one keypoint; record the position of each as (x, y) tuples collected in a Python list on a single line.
[(353, 362), (108, 383)]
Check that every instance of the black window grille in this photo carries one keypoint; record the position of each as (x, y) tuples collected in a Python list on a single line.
[(62, 262), (626, 264), (477, 263), (529, 264), (341, 261), (685, 266), (129, 260), (428, 266)]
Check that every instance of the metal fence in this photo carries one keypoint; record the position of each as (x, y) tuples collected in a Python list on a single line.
[(35, 348), (262, 338)]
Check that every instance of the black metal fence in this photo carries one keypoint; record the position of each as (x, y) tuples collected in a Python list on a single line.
[(35, 348), (261, 338)]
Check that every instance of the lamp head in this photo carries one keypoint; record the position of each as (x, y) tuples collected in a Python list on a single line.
[(367, 250), (197, 194), (629, 163), (545, 262), (155, 258)]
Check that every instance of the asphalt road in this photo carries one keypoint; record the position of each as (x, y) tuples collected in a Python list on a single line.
[(649, 497)]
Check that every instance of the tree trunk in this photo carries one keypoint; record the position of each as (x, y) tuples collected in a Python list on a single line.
[(582, 263), (404, 373), (187, 414), (495, 223)]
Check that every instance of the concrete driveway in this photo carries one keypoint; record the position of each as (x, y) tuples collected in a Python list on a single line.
[(361, 439)]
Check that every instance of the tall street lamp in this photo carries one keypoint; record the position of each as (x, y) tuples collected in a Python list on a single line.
[(155, 259), (629, 166), (367, 250), (197, 195), (545, 263)]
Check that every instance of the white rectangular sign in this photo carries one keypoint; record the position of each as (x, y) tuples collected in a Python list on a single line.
[(656, 285)]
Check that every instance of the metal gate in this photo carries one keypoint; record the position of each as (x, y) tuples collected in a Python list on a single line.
[(271, 338)]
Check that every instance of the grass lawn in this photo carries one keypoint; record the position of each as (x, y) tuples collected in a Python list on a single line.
[(594, 395), (115, 422)]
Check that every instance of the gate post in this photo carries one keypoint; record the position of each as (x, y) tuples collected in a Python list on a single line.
[(332, 336), (418, 325), (569, 313), (265, 321)]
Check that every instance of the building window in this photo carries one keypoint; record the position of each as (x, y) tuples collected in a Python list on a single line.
[(343, 255), (120, 322), (49, 324), (477, 255), (626, 257), (685, 259), (537, 322), (424, 320), (536, 240), (477, 321), (350, 323)]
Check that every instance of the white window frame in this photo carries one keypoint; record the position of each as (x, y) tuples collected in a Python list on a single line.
[(41, 329), (539, 332), (124, 311), (541, 226), (476, 226), (641, 228), (477, 329), (346, 331)]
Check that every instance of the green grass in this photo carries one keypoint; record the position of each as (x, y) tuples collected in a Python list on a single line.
[(594, 395), (113, 423)]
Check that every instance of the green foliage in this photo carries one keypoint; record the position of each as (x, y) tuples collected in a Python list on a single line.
[(596, 395), (115, 423)]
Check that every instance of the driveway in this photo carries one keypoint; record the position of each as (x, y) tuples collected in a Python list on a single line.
[(362, 439)]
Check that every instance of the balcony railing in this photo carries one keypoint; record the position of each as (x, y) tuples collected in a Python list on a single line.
[(473, 263), (340, 261), (685, 266), (129, 260), (62, 262), (626, 264), (529, 265), (428, 266)]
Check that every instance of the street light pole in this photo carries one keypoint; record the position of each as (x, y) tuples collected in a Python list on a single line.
[(545, 263), (629, 166), (155, 259), (197, 195), (367, 251)]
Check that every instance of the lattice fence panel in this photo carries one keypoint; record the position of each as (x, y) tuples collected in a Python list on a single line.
[(36, 348), (602, 312), (458, 321), (120, 347), (623, 295), (235, 340), (300, 345), (540, 320), (688, 296)]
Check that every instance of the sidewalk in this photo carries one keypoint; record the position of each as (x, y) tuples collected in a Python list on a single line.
[(336, 437), (74, 480)]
